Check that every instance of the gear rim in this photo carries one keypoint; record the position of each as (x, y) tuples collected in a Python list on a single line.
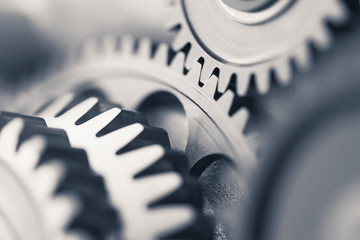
[(219, 51), (101, 59)]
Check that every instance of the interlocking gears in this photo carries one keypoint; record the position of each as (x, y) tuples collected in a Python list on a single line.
[(44, 185), (244, 40), (138, 74), (148, 184)]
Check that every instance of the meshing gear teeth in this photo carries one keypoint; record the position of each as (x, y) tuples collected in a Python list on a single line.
[(119, 66), (44, 177), (245, 45), (148, 184)]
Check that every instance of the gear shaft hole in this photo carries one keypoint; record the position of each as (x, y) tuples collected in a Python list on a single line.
[(164, 110)]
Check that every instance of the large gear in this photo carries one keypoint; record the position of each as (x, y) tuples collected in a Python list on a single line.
[(208, 125), (309, 186), (245, 40), (149, 185), (43, 177)]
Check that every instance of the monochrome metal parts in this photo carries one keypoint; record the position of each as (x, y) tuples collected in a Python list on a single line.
[(310, 186), (148, 184), (137, 74), (244, 40), (44, 193)]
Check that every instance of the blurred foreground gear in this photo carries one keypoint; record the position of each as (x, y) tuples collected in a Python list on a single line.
[(148, 184), (45, 191), (244, 40), (310, 186)]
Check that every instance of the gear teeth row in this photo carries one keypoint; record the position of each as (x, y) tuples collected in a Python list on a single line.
[(321, 37), (198, 74), (145, 180), (57, 175)]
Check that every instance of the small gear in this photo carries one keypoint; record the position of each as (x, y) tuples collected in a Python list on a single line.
[(43, 177), (136, 74), (244, 40), (148, 184)]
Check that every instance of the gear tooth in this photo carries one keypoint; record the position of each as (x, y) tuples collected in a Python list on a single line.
[(94, 125), (172, 22), (192, 56), (263, 80), (57, 106), (179, 40), (47, 178), (9, 137), (226, 100), (122, 136), (242, 83), (224, 80), (206, 72), (30, 152), (240, 118), (193, 76), (63, 207), (339, 13), (145, 156), (79, 110), (322, 37), (177, 64), (144, 48), (161, 54), (109, 44), (127, 44), (283, 71), (161, 185), (303, 57), (209, 87)]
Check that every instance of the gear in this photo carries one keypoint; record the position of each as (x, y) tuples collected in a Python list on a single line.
[(197, 122), (148, 184), (246, 40), (309, 187), (43, 177)]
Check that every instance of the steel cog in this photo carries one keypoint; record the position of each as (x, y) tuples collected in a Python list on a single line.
[(148, 184), (244, 42), (130, 72), (40, 182)]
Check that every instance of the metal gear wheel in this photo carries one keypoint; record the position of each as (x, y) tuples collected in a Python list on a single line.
[(244, 40), (148, 184), (42, 177), (309, 187), (137, 74)]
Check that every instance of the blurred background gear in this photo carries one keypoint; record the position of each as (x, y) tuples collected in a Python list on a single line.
[(309, 185), (44, 187), (249, 39), (147, 182)]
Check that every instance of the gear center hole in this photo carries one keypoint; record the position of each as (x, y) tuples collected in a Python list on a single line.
[(164, 110)]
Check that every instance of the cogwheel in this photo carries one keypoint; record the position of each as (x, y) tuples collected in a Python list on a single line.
[(309, 187), (138, 73), (148, 184), (42, 177), (245, 40)]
